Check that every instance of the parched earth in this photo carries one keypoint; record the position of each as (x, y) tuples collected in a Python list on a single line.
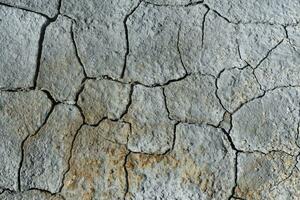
[(151, 99)]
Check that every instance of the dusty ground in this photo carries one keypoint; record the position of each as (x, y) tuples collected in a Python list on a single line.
[(156, 99)]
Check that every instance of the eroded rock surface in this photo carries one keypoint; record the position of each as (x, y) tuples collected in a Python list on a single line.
[(201, 166), (19, 40), (21, 115)]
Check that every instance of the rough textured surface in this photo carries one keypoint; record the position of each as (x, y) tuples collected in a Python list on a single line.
[(96, 167), (19, 47), (194, 100), (201, 166), (268, 123), (152, 130), (43, 168), (60, 71), (268, 11), (47, 7), (258, 174), (149, 99), (21, 115), (30, 195), (236, 87), (103, 98), (281, 67), (100, 33)]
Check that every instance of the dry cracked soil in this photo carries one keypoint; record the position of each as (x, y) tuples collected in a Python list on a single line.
[(149, 99)]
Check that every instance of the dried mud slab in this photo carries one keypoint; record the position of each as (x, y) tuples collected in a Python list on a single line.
[(268, 123), (97, 163), (193, 100), (152, 130), (19, 40), (236, 87), (280, 68), (201, 166), (258, 173), (60, 71), (103, 98), (21, 115), (100, 33), (46, 154)]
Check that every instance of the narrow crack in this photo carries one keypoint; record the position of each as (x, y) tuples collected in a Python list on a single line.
[(127, 37), (126, 175), (166, 104), (203, 25), (191, 3), (268, 53), (178, 49), (129, 102), (76, 49), (69, 159), (217, 88), (235, 176)]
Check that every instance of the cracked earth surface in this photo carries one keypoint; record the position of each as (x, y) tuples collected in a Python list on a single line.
[(149, 99)]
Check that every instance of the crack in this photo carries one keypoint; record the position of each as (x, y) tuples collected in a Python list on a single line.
[(178, 49), (235, 176), (69, 159), (268, 53), (19, 89), (25, 140), (166, 104), (129, 102), (174, 136), (217, 88), (126, 174), (203, 25), (40, 45), (127, 37), (76, 49), (191, 3), (257, 81)]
